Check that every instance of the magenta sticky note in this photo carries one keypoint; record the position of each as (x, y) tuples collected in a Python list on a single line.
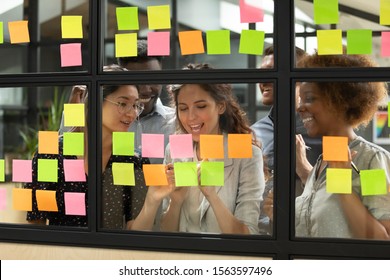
[(22, 170), (71, 54), (250, 13), (158, 43), (153, 145), (385, 49), (74, 170), (75, 203), (181, 146), (3, 198)]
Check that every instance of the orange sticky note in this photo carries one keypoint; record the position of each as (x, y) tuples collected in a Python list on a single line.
[(22, 199), (48, 142), (191, 42), (46, 200), (18, 32), (239, 145), (155, 175), (211, 146), (335, 148)]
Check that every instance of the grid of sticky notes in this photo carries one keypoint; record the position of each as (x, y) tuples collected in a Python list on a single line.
[(339, 180)]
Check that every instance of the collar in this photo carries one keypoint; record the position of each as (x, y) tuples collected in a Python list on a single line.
[(160, 109)]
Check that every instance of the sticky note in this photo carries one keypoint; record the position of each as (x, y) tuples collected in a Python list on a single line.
[(74, 115), (21, 170), (48, 142), (384, 12), (72, 27), (123, 174), (186, 174), (18, 32), (211, 146), (239, 146), (127, 18), (326, 11), (385, 46), (3, 199), (338, 180), (359, 41), (158, 43), (22, 199), (329, 42), (218, 41), (181, 146), (2, 170), (73, 143), (126, 45), (1, 32), (47, 170), (251, 42), (155, 175), (191, 42), (159, 17), (123, 143), (71, 54), (212, 173), (46, 200), (74, 203), (373, 182), (153, 145), (249, 13), (74, 170), (335, 148)]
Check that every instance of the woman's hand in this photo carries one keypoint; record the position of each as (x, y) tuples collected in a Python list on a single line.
[(268, 206), (177, 194), (302, 165)]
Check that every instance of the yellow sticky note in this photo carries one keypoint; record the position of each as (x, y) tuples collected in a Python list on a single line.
[(191, 42), (329, 42), (126, 45), (46, 200), (2, 169), (335, 148), (155, 175), (22, 199), (123, 174), (159, 17), (384, 12), (338, 180), (18, 32), (239, 145), (74, 115), (72, 27), (48, 142), (211, 146)]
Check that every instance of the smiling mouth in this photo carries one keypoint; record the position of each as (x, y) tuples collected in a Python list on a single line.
[(306, 120), (147, 99), (128, 123), (196, 128)]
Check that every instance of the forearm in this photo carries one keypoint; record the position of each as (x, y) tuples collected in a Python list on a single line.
[(303, 169), (145, 219), (171, 218)]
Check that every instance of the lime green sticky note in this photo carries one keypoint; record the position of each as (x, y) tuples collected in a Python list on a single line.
[(338, 180), (218, 41), (74, 115), (186, 174), (47, 170), (72, 27), (251, 42), (126, 45), (326, 11), (127, 18), (384, 12), (2, 174), (73, 143), (159, 17), (123, 143), (373, 182), (212, 173), (1, 32), (123, 173), (329, 42), (359, 41)]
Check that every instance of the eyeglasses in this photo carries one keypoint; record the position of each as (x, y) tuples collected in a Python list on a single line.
[(124, 108)]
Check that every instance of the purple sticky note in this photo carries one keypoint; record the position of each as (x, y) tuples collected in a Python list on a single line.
[(153, 145), (158, 43), (3, 198), (22, 170), (74, 170), (181, 146), (71, 54), (250, 13), (385, 50), (75, 203)]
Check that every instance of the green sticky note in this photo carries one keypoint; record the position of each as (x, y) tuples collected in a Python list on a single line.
[(74, 115), (159, 17), (373, 182), (47, 170), (338, 180), (72, 27), (326, 11), (186, 174), (388, 114), (384, 12), (218, 41), (73, 143), (123, 143), (2, 174), (127, 18), (329, 42), (123, 174), (359, 41), (126, 45), (251, 42), (212, 173), (1, 32)]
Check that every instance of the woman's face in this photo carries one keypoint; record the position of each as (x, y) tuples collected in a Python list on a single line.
[(113, 120), (198, 112)]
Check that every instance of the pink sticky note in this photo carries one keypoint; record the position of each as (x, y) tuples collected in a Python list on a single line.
[(22, 170), (385, 49), (3, 198), (75, 203), (181, 146), (250, 13), (74, 170), (71, 54), (153, 145), (158, 43)]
